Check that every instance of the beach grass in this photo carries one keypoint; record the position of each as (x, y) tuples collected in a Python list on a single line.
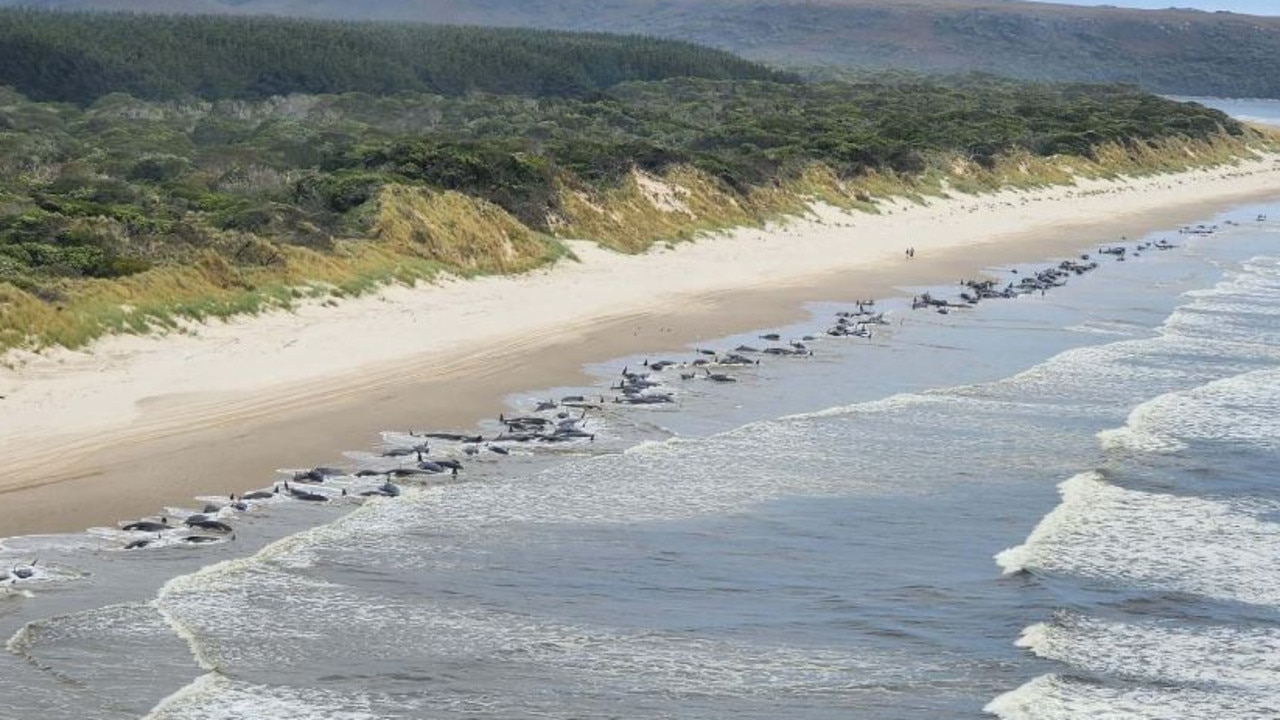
[(419, 234)]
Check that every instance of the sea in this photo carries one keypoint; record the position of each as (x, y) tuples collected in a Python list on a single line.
[(1061, 505), (1263, 111)]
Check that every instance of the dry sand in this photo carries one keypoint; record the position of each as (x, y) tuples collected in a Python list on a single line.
[(136, 423)]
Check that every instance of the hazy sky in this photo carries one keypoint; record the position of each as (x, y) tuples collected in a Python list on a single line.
[(1251, 7)]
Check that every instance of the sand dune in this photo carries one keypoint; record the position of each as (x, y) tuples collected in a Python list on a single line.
[(133, 423)]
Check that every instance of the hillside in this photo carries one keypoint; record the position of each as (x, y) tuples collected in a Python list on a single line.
[(80, 57), (128, 215), (1168, 51), (154, 169)]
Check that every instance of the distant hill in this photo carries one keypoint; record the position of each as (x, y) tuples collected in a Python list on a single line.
[(1170, 51), (80, 57)]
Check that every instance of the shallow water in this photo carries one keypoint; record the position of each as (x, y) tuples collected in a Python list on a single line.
[(1059, 506)]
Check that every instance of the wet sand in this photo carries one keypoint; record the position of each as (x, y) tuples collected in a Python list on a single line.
[(133, 448)]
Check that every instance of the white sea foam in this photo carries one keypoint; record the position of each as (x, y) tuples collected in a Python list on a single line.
[(1053, 697), (1215, 548), (1111, 329), (1239, 311), (204, 593), (893, 403), (679, 479), (213, 697), (1077, 493), (1087, 379), (1215, 358), (109, 651), (1162, 651), (9, 593), (950, 404), (1240, 409), (38, 572), (390, 633), (294, 614), (1141, 433)]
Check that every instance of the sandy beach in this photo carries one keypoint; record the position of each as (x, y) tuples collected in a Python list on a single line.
[(136, 423)]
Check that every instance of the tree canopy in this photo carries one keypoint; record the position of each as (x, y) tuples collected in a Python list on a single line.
[(80, 57)]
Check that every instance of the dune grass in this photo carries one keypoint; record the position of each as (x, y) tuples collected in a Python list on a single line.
[(419, 234)]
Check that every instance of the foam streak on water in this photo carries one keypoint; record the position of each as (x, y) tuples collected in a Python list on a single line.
[(814, 541), (1218, 655), (1218, 549), (1054, 697), (1176, 540)]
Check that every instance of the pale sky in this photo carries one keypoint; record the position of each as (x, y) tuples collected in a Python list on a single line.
[(1249, 7)]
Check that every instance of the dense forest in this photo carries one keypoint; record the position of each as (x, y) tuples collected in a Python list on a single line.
[(1172, 51), (191, 189), (80, 57)]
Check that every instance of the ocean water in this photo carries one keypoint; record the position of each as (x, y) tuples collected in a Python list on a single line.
[(1057, 506), (1257, 110)]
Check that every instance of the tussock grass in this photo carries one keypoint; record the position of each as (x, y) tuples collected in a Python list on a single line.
[(462, 233), (628, 220), (419, 234)]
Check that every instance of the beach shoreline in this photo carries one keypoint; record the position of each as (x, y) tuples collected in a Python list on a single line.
[(137, 423)]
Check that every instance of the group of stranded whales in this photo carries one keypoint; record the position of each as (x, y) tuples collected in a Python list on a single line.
[(1040, 281), (552, 422), (568, 419), (857, 323)]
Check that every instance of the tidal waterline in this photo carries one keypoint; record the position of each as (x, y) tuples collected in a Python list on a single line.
[(864, 532)]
